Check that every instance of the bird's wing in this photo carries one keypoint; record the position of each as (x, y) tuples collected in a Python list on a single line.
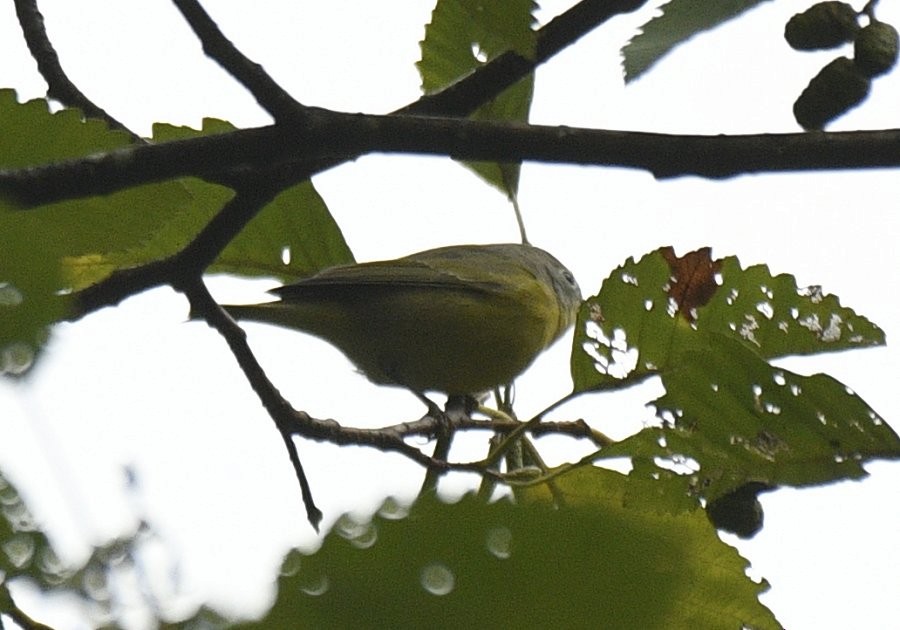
[(395, 274)]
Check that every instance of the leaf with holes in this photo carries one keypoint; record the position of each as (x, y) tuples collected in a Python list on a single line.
[(742, 420), (649, 313), (462, 36)]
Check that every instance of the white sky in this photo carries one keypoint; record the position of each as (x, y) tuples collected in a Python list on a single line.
[(137, 386)]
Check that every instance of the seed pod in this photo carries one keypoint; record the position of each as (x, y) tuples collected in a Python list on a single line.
[(823, 25), (875, 48), (839, 86)]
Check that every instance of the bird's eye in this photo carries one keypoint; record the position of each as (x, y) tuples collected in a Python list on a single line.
[(569, 277)]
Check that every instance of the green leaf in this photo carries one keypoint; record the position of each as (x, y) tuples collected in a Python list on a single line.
[(744, 420), (37, 245), (498, 565), (82, 227), (82, 241), (28, 303), (465, 34), (292, 237), (636, 326), (680, 20), (627, 330), (462, 36), (776, 318)]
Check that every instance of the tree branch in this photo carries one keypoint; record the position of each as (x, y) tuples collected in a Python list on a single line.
[(468, 94), (21, 618), (270, 96), (59, 87), (202, 303), (184, 267), (338, 136)]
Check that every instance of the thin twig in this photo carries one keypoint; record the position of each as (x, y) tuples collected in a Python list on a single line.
[(279, 410), (20, 617), (441, 454), (313, 513), (59, 87), (270, 96), (388, 439)]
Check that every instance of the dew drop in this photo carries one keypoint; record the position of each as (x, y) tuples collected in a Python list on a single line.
[(349, 528), (361, 535), (393, 510), (499, 542), (437, 579), (17, 515), (16, 358), (315, 586), (19, 549), (9, 295), (94, 583), (291, 563), (366, 538)]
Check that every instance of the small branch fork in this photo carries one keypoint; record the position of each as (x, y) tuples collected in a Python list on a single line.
[(257, 175)]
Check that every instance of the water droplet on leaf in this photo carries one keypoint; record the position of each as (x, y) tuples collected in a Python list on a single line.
[(437, 579)]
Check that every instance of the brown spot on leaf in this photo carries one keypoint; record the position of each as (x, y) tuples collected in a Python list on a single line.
[(693, 278)]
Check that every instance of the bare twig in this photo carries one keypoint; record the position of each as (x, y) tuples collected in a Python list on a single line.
[(21, 618), (59, 86), (270, 96), (278, 408)]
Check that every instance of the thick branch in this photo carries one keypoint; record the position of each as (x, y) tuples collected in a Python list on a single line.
[(338, 135)]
